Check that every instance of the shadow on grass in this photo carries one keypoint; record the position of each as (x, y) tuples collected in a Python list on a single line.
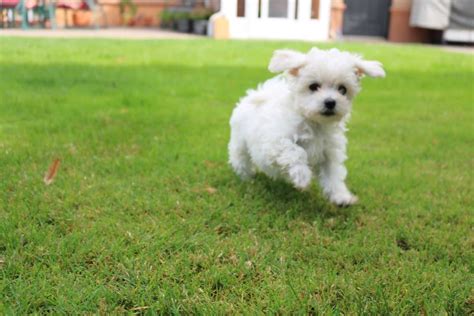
[(157, 80), (282, 199)]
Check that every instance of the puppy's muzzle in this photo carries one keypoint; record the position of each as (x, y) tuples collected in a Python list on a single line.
[(329, 106)]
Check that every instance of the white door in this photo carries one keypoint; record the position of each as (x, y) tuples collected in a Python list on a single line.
[(278, 19)]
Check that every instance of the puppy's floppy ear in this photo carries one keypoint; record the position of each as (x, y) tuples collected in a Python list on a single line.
[(285, 59), (370, 68)]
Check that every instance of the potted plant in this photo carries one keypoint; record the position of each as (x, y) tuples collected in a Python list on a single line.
[(182, 21), (200, 19), (128, 10), (166, 18)]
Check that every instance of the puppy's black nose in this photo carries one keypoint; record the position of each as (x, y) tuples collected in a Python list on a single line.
[(330, 104)]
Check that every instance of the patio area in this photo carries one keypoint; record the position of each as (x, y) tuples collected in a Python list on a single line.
[(115, 33)]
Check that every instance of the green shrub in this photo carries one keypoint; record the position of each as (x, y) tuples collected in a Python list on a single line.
[(201, 14)]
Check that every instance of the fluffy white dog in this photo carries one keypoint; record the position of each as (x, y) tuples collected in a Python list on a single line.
[(293, 126)]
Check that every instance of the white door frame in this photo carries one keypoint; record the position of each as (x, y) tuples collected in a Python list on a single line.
[(302, 28)]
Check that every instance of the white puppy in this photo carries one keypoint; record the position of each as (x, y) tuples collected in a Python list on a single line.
[(293, 125)]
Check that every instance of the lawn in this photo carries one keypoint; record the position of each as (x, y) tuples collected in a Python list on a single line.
[(146, 216)]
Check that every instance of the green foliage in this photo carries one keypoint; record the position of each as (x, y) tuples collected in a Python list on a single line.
[(181, 15), (169, 16), (127, 8), (145, 215), (166, 16), (200, 14)]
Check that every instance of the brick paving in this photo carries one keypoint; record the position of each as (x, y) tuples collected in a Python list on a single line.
[(115, 33)]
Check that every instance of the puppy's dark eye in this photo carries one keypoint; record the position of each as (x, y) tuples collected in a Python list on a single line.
[(314, 86), (342, 89)]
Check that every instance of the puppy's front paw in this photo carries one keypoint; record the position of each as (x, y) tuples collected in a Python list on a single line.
[(301, 177), (343, 199)]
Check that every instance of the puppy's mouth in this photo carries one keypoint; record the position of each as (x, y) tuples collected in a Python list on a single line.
[(328, 113)]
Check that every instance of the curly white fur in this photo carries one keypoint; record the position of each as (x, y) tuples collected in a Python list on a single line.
[(287, 128)]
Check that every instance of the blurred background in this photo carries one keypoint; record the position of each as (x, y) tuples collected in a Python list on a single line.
[(423, 21)]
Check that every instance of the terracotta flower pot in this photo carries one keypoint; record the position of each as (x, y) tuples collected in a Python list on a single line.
[(81, 18), (400, 29)]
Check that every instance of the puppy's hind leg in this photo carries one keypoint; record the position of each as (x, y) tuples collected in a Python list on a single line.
[(239, 158)]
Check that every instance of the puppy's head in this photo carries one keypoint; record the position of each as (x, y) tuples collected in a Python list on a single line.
[(324, 82)]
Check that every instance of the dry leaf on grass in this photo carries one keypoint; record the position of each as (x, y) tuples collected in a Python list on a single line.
[(211, 190), (52, 171)]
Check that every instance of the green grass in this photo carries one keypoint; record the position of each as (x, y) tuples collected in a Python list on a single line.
[(141, 128)]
